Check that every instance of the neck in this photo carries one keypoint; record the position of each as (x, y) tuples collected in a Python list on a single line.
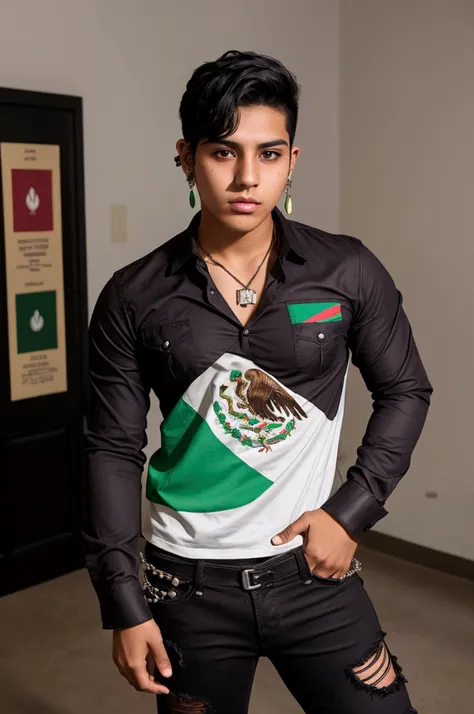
[(224, 243)]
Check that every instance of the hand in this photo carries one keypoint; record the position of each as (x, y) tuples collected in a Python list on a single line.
[(328, 547), (134, 648)]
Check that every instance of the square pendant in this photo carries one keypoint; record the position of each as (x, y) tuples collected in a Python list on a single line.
[(246, 297)]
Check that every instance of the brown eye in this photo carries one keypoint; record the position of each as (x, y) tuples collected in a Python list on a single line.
[(219, 153), (270, 155)]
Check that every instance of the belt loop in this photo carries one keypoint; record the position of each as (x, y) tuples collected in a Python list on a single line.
[(199, 576), (303, 566)]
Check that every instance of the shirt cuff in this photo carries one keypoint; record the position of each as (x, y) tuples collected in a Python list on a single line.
[(355, 508), (124, 606)]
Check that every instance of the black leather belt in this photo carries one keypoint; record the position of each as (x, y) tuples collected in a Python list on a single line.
[(264, 572)]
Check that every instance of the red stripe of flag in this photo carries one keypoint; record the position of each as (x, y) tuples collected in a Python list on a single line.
[(325, 314)]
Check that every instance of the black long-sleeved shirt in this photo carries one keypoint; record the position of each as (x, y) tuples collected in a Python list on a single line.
[(252, 414)]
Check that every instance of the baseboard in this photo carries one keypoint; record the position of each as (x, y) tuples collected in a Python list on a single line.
[(419, 554)]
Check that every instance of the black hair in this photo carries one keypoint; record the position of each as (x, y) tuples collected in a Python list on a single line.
[(209, 106)]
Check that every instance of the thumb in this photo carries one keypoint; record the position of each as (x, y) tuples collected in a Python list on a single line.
[(296, 528)]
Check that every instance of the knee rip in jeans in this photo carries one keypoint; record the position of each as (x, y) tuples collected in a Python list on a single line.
[(378, 671), (187, 704)]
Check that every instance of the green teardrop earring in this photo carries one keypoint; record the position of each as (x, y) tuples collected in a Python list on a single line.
[(191, 182), (288, 199)]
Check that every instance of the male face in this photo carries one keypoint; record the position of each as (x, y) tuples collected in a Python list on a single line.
[(253, 163)]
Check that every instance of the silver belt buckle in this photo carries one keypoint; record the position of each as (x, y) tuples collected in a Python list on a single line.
[(246, 580)]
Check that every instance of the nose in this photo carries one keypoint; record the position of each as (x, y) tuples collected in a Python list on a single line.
[(247, 175)]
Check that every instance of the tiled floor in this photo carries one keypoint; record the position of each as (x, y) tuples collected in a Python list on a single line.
[(55, 659)]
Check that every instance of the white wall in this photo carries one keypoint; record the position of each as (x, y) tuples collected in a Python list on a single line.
[(130, 61), (407, 184)]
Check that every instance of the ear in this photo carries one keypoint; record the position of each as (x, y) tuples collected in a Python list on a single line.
[(185, 156), (295, 152)]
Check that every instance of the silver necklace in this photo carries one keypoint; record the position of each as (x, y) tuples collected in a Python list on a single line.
[(245, 296)]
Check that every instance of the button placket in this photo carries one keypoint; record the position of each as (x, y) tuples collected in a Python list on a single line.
[(245, 340)]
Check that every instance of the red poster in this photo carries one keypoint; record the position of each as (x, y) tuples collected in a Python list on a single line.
[(32, 200)]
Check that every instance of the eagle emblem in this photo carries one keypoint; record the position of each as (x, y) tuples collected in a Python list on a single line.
[(259, 413)]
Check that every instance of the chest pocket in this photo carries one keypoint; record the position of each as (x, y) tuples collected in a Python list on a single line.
[(170, 350), (318, 346)]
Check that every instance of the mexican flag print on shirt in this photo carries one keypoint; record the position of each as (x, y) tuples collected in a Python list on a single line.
[(241, 457)]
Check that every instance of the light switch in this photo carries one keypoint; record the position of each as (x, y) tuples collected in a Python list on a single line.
[(118, 223)]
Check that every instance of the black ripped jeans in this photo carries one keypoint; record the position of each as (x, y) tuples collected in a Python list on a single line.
[(322, 635)]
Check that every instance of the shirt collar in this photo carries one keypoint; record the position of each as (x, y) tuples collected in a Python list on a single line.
[(289, 244)]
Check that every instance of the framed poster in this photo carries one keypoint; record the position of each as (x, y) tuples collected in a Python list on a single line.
[(31, 185), (43, 335)]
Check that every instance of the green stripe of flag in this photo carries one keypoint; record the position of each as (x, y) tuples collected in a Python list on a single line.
[(194, 471)]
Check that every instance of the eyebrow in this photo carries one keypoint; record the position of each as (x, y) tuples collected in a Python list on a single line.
[(236, 145)]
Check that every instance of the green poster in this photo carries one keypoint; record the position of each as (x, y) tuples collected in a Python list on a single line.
[(36, 323)]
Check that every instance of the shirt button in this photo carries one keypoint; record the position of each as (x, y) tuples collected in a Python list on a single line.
[(213, 292), (166, 345), (321, 335), (246, 332)]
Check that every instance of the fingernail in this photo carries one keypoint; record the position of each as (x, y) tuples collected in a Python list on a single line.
[(167, 672), (276, 540)]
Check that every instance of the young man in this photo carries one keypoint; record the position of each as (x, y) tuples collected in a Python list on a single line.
[(243, 325)]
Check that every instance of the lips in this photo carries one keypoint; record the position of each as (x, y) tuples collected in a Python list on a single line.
[(244, 205), (243, 199)]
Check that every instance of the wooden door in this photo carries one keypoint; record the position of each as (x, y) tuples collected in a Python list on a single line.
[(41, 436)]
